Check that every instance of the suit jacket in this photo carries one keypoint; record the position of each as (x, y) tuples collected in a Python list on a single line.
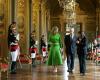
[(70, 44), (82, 46)]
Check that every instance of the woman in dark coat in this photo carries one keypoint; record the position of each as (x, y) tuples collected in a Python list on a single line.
[(81, 51)]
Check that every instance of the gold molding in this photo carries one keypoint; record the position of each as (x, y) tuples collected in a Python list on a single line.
[(4, 22), (22, 18)]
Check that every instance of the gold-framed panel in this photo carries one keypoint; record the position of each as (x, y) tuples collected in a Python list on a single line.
[(22, 23), (4, 22)]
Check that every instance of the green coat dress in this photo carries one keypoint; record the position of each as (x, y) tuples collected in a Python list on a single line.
[(55, 57)]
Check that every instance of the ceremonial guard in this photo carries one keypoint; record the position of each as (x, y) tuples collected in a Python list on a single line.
[(33, 48), (13, 39), (43, 48)]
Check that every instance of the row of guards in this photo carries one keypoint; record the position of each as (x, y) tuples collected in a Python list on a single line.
[(94, 52), (14, 48), (34, 52), (34, 55), (97, 52)]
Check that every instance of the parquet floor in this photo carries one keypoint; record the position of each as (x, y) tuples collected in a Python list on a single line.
[(42, 72)]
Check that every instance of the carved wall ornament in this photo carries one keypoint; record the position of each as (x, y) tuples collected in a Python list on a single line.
[(1, 11), (20, 20)]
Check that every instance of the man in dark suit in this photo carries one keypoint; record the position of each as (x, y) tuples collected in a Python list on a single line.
[(70, 44)]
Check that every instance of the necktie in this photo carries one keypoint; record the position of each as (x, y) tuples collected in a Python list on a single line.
[(71, 36)]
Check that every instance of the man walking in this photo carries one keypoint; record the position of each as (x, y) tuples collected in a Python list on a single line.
[(70, 44)]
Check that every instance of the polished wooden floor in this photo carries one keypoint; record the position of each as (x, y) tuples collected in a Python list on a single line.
[(42, 72)]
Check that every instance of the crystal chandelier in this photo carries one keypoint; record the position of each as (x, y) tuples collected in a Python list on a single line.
[(69, 11)]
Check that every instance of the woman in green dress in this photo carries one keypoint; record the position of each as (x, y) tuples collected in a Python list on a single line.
[(55, 58)]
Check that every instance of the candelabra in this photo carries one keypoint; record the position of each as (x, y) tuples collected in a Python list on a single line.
[(69, 11)]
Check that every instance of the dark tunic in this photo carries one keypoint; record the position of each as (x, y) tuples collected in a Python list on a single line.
[(32, 45), (43, 44)]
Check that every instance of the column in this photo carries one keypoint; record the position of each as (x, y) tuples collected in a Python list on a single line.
[(40, 23)]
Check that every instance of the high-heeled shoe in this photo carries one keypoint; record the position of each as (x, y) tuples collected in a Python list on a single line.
[(55, 70)]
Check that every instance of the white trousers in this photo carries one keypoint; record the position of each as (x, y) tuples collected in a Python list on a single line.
[(33, 55), (14, 54), (44, 53)]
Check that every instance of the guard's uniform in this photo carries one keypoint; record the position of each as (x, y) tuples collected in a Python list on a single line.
[(43, 49), (14, 50), (33, 50)]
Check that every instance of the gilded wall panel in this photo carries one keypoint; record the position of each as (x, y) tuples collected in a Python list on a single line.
[(4, 20), (39, 18), (35, 17), (45, 19), (21, 18)]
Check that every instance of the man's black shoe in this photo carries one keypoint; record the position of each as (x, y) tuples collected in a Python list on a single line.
[(68, 70), (82, 74), (13, 72), (33, 65), (71, 72)]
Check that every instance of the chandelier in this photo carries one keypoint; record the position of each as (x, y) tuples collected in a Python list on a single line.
[(69, 10)]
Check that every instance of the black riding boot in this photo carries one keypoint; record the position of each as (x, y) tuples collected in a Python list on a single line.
[(13, 67), (33, 62)]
